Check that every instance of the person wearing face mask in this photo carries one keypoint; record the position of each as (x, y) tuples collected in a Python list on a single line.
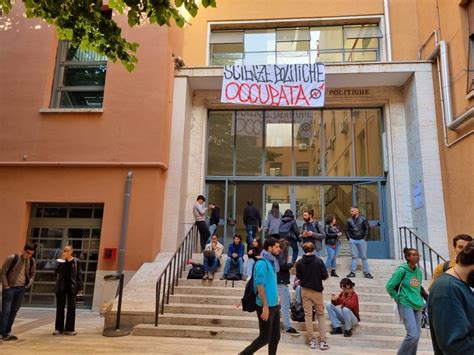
[(451, 307)]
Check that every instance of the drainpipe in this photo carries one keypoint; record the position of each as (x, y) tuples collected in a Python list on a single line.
[(440, 54), (123, 232), (388, 35)]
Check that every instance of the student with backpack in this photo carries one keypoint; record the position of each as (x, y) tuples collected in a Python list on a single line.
[(404, 286), (235, 257), (289, 230), (264, 286), (312, 231), (18, 273)]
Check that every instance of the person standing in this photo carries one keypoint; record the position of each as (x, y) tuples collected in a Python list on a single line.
[(18, 273), (404, 286), (289, 230), (199, 213), (311, 272), (212, 257), (357, 230), (273, 220), (268, 313), (68, 285), (252, 222), (283, 280), (348, 314), (312, 231), (215, 218), (459, 242), (451, 307), (333, 244)]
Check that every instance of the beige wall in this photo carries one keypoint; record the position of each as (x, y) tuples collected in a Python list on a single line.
[(134, 127), (457, 161)]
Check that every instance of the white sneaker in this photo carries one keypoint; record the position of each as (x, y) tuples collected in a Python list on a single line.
[(312, 344), (323, 345)]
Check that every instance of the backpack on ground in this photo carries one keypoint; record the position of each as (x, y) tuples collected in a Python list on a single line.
[(196, 271), (297, 312), (249, 300), (234, 273)]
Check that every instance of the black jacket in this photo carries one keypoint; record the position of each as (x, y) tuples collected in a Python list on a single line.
[(215, 216), (255, 251), (283, 276), (311, 271), (252, 216), (76, 277), (293, 228), (331, 234), (357, 228)]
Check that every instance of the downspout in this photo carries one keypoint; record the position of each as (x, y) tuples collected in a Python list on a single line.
[(440, 54), (123, 232), (388, 33)]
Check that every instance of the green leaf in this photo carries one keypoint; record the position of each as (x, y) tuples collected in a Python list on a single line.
[(178, 3)]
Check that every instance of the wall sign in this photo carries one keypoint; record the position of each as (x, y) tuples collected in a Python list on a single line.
[(358, 92), (417, 192), (300, 85)]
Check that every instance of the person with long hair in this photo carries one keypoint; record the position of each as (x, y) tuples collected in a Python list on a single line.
[(253, 255), (333, 244), (289, 230), (271, 224), (347, 315), (404, 286), (68, 285)]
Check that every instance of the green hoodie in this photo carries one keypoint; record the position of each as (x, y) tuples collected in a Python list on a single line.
[(410, 287)]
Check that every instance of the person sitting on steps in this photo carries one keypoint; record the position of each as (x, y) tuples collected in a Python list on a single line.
[(253, 255), (212, 257), (348, 314), (235, 254)]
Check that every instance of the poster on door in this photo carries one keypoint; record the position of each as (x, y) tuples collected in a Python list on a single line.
[(294, 85)]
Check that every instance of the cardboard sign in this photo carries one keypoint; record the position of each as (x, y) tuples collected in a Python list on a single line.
[(298, 85)]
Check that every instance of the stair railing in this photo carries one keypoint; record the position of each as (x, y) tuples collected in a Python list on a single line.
[(173, 271), (409, 239)]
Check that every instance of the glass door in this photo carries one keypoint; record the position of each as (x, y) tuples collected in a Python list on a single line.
[(368, 196)]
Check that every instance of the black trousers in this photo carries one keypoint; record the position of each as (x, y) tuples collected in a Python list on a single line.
[(204, 233), (61, 297), (269, 332)]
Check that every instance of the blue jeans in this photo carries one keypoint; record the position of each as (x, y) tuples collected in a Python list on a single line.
[(340, 315), (249, 268), (332, 255), (294, 248), (284, 294), (11, 302), (359, 250), (210, 264), (251, 233), (412, 321), (212, 229), (230, 260)]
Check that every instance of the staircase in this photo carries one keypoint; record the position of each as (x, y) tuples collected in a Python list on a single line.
[(208, 309)]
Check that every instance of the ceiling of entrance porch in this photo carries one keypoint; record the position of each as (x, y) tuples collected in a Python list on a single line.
[(347, 75)]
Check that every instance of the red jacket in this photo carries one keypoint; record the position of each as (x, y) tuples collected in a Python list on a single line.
[(351, 302)]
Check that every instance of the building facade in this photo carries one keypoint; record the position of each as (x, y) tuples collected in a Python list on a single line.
[(381, 141)]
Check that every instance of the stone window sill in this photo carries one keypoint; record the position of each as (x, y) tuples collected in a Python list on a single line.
[(71, 110)]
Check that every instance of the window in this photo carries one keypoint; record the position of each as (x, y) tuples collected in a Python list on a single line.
[(296, 45), (79, 79)]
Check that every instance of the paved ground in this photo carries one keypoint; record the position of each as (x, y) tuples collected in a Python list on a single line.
[(34, 329)]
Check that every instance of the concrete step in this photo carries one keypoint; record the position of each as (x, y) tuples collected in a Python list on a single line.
[(205, 291), (384, 307), (359, 340), (231, 310), (206, 320)]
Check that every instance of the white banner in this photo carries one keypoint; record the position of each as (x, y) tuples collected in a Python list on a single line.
[(299, 85)]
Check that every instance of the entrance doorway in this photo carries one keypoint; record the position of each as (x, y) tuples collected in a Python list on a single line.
[(323, 199)]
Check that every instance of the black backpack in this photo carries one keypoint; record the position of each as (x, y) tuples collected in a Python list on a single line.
[(196, 272), (234, 272), (285, 229), (249, 300), (297, 312)]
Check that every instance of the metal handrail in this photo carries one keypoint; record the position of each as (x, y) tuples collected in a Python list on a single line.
[(403, 232), (173, 271)]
